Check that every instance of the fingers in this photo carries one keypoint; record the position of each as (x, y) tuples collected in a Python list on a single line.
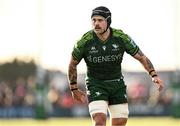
[(80, 97), (83, 99), (159, 84), (160, 88), (158, 81), (155, 80)]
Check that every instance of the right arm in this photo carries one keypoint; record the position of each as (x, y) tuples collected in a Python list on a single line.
[(77, 94), (72, 73)]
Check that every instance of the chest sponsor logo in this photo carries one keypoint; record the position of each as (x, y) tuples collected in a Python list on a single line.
[(106, 58)]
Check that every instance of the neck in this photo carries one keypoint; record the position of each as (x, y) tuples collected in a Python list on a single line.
[(104, 36)]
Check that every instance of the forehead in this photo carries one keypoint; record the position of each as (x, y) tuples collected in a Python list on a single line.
[(97, 17)]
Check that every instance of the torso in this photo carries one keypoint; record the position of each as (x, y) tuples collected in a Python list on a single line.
[(103, 59)]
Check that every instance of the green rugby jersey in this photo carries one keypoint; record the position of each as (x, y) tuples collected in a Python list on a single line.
[(103, 59)]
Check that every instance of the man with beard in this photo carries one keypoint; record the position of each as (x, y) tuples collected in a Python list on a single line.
[(102, 49)]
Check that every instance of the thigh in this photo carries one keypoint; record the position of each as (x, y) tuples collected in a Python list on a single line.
[(98, 112), (118, 93), (96, 91), (119, 114), (99, 106), (119, 110)]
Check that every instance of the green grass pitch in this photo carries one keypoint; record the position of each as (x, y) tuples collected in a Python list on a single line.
[(133, 121)]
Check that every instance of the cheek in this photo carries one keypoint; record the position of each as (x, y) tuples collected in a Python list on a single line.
[(93, 24), (103, 25)]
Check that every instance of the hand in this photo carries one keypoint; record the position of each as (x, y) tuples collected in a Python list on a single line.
[(159, 82), (79, 96)]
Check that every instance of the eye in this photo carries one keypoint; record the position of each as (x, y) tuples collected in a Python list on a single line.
[(100, 20), (93, 20)]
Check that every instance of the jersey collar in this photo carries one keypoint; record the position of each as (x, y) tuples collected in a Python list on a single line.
[(96, 38)]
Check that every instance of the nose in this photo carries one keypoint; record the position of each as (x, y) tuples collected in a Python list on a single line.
[(96, 23)]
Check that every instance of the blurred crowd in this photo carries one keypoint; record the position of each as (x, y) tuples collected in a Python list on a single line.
[(20, 93), (55, 97)]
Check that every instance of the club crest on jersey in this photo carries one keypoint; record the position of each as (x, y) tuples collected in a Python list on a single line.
[(104, 48), (115, 47), (93, 50)]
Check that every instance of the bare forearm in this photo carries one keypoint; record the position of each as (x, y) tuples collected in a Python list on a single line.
[(147, 64), (72, 73), (150, 68)]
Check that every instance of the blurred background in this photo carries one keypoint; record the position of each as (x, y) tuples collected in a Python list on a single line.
[(36, 40)]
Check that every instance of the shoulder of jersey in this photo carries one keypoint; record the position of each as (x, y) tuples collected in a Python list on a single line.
[(85, 38), (120, 33)]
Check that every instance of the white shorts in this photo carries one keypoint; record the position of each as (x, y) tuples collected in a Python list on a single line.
[(115, 111)]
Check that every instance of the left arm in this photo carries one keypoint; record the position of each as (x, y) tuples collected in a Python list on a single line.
[(147, 64)]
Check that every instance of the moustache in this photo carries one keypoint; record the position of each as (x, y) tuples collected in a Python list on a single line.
[(97, 27)]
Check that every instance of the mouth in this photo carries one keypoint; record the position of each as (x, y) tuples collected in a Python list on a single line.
[(97, 28)]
